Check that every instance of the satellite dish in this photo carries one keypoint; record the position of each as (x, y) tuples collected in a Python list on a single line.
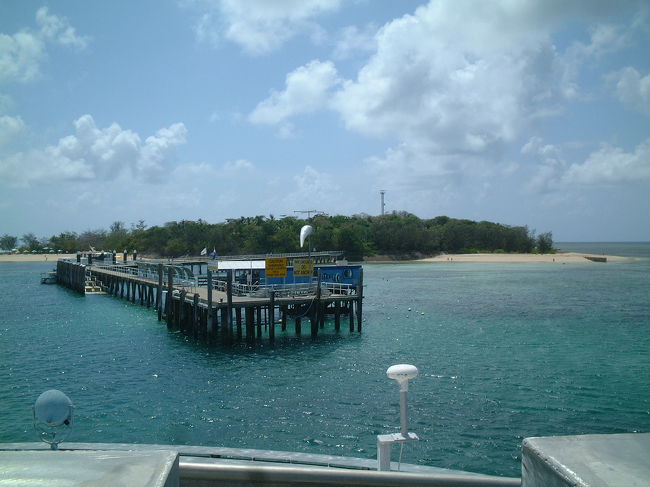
[(53, 417), (305, 232)]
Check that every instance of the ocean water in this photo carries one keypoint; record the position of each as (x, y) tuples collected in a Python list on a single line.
[(505, 351)]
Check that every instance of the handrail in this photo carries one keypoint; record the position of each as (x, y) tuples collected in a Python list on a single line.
[(280, 475), (182, 277), (285, 290)]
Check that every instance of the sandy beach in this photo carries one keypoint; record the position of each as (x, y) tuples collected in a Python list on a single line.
[(35, 257), (560, 257)]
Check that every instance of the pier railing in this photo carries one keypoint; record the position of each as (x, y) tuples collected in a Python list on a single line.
[(183, 278), (286, 290)]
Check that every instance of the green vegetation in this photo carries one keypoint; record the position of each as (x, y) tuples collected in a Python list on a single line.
[(398, 234)]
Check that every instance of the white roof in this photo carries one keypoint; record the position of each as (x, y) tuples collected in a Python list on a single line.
[(240, 264)]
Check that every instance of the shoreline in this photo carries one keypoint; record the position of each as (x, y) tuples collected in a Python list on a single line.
[(35, 257), (560, 257)]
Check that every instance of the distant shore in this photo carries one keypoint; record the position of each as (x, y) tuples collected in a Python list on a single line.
[(560, 257), (35, 257)]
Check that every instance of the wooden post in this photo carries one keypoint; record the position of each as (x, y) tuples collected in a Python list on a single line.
[(351, 314), (313, 321), (182, 312), (229, 297), (170, 294), (360, 300), (159, 292), (249, 324), (225, 328), (272, 316), (316, 312), (283, 311), (195, 316), (210, 325), (259, 322), (298, 325), (337, 315)]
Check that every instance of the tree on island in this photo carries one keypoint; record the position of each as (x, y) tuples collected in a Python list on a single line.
[(8, 242), (31, 241), (545, 243), (400, 234)]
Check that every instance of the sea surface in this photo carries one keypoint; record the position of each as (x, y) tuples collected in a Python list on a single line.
[(505, 351)]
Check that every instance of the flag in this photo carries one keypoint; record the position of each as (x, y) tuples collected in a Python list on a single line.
[(204, 251)]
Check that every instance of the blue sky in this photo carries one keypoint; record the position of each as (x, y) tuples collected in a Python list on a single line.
[(523, 113)]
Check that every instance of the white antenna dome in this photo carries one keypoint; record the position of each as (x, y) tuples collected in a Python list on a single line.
[(402, 372)]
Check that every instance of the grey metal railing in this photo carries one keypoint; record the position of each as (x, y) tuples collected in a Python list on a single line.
[(198, 473)]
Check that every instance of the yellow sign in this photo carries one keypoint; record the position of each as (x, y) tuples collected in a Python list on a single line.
[(301, 267), (276, 267)]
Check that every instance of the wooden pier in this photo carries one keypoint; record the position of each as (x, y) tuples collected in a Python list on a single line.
[(213, 311)]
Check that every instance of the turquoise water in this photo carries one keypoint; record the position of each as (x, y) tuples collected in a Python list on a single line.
[(505, 351)]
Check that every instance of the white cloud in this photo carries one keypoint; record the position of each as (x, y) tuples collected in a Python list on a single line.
[(239, 165), (155, 154), (181, 200), (549, 166), (462, 77), (93, 153), (406, 168), (307, 89), (311, 189), (22, 53), (632, 89), (353, 40), (20, 56), (604, 39), (10, 127), (612, 165), (260, 26), (57, 29), (454, 83)]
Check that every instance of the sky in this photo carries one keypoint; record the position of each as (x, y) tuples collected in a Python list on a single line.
[(529, 113)]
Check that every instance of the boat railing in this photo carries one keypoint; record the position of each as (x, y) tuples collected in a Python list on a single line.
[(193, 472)]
